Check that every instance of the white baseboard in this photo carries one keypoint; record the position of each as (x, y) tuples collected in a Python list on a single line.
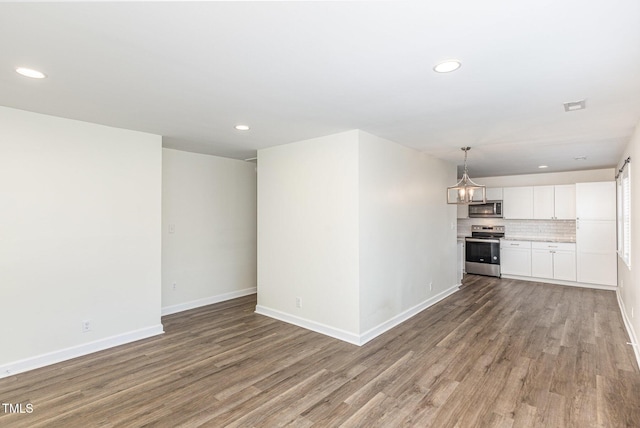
[(353, 338), (54, 357), (327, 330), (632, 334), (560, 282), (402, 317), (168, 310)]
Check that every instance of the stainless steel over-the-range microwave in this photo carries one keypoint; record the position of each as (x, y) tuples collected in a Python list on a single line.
[(490, 209)]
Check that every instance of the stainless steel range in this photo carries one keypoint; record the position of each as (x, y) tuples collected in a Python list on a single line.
[(483, 250)]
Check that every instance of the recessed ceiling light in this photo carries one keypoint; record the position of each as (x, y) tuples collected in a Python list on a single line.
[(447, 66), (575, 105), (543, 166), (29, 72), (242, 127)]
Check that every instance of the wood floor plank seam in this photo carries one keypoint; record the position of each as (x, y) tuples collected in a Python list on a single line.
[(498, 352)]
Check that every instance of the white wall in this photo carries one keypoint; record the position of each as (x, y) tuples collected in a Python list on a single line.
[(308, 232), (407, 231), (210, 204), (628, 278), (357, 227), (79, 237)]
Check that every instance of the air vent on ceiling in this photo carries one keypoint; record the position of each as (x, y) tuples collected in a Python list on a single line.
[(575, 105)]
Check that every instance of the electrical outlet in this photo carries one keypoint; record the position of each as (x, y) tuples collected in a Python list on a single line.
[(631, 311), (172, 228), (86, 326), (174, 286), (431, 286), (298, 302)]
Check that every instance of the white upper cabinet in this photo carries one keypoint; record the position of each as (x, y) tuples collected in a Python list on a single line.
[(543, 202), (518, 202), (596, 201), (494, 193), (554, 202), (477, 197), (565, 201)]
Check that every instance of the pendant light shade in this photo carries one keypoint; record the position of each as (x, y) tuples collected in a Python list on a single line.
[(466, 191)]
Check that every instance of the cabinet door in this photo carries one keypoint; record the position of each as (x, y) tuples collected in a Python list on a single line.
[(564, 265), (518, 202), (494, 193), (543, 202), (564, 199), (596, 252), (596, 236), (542, 263), (597, 268), (515, 261), (596, 201)]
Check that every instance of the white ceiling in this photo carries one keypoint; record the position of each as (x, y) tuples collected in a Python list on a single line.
[(190, 71)]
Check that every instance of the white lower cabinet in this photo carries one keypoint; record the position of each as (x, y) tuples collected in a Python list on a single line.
[(590, 261), (541, 263), (515, 257), (553, 260)]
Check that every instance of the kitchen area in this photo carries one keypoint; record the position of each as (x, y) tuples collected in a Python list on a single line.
[(554, 233)]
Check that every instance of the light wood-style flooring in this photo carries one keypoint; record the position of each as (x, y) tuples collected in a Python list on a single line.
[(498, 353)]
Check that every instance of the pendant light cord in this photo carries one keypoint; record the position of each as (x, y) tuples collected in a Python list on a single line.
[(465, 159)]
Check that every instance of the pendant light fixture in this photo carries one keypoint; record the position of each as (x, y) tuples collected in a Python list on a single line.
[(466, 191)]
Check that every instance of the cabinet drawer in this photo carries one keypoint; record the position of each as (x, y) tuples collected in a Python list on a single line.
[(515, 244), (555, 246)]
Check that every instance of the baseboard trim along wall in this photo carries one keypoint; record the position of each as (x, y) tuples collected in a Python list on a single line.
[(168, 310), (43, 360), (402, 317), (561, 282), (327, 330), (349, 337), (632, 334)]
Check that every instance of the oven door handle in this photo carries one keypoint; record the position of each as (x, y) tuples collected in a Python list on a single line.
[(489, 241)]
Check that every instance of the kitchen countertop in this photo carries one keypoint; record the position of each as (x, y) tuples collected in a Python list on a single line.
[(529, 238), (537, 239)]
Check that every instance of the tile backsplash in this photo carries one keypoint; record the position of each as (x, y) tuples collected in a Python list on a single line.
[(525, 229)]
